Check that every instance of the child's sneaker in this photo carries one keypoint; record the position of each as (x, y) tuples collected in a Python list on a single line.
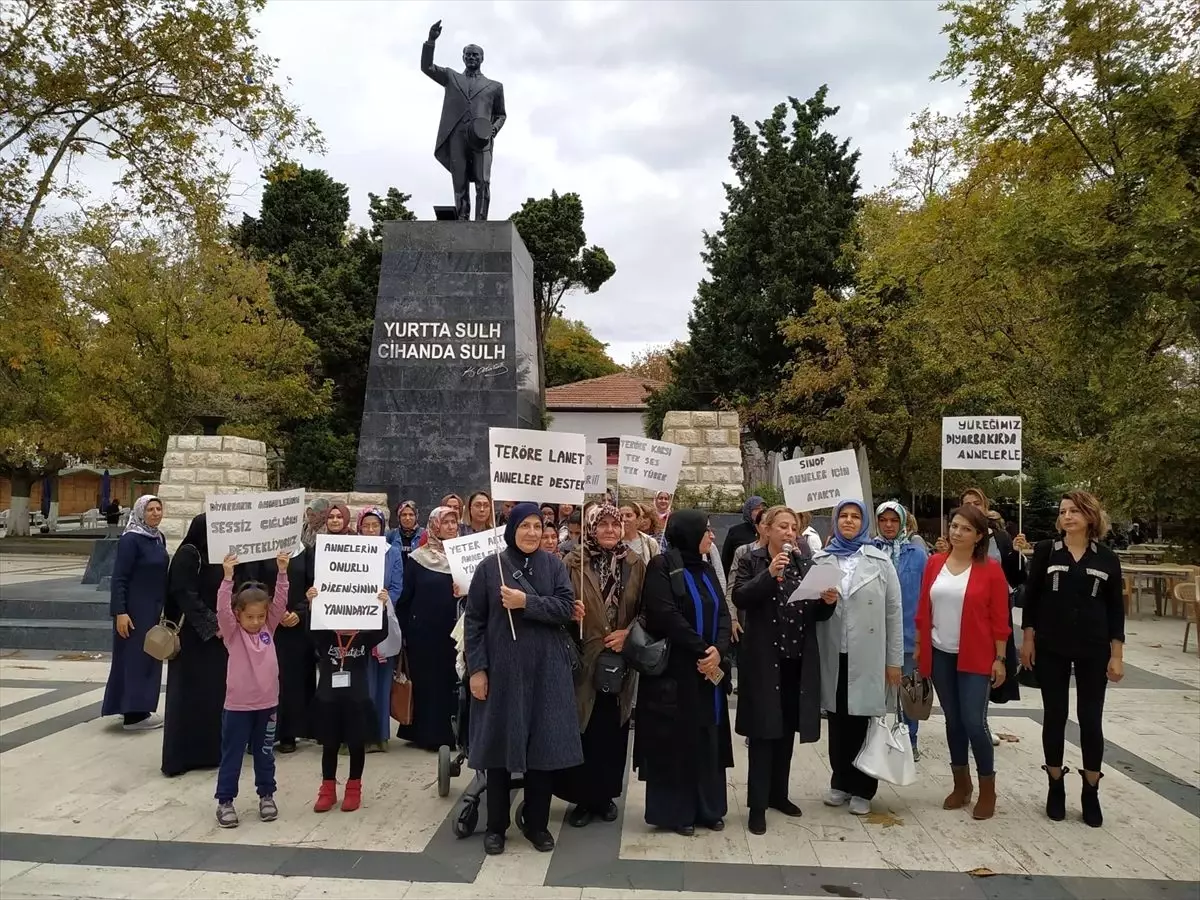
[(226, 815), (267, 810)]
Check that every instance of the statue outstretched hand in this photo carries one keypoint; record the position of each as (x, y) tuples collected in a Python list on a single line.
[(435, 31)]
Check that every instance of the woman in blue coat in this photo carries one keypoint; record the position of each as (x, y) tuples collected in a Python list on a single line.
[(139, 590), (380, 668), (909, 558)]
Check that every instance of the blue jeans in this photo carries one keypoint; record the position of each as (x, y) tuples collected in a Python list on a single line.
[(379, 687), (909, 667), (964, 700), (255, 727)]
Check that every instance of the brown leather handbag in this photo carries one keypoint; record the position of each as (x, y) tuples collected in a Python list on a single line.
[(402, 692)]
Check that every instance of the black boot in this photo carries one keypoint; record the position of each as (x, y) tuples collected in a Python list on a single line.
[(1056, 794), (1090, 799)]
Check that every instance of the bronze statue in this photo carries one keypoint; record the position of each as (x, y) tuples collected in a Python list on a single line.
[(472, 115)]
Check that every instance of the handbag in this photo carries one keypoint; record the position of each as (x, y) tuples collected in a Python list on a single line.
[(644, 654), (609, 675), (162, 640), (887, 753), (401, 700), (916, 696), (574, 660)]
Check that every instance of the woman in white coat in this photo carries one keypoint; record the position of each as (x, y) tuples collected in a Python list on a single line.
[(862, 650)]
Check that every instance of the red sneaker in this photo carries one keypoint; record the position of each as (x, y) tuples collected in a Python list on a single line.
[(352, 799), (326, 796)]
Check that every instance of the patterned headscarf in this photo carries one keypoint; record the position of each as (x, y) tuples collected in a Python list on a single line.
[(409, 504), (137, 519), (319, 507), (896, 545), (377, 513), (605, 563), (432, 556)]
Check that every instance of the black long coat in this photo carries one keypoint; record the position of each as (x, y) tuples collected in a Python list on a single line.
[(673, 707), (757, 592)]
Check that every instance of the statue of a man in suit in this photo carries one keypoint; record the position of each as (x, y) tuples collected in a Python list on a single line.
[(472, 114)]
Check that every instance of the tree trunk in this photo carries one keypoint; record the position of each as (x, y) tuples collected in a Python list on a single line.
[(18, 514), (52, 519)]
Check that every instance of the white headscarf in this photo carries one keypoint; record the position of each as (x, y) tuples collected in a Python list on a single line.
[(137, 519)]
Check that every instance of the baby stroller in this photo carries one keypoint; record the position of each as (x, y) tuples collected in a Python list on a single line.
[(450, 762)]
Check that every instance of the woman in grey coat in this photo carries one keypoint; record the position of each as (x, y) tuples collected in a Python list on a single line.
[(862, 650), (523, 696)]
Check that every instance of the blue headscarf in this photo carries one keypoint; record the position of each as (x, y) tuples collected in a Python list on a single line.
[(519, 514), (748, 508), (841, 546)]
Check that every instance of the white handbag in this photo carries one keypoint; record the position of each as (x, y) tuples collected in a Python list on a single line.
[(391, 645), (887, 753)]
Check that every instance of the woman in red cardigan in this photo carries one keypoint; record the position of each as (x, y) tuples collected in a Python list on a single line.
[(962, 628)]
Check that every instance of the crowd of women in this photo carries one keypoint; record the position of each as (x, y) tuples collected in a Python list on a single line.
[(545, 660)]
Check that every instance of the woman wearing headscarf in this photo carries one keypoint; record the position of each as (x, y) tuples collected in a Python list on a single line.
[(779, 663), (455, 503), (682, 745), (196, 677), (314, 520), (381, 667), (744, 532), (607, 578), (427, 610), (138, 592), (479, 514), (862, 650), (407, 535), (662, 511), (891, 521), (522, 703)]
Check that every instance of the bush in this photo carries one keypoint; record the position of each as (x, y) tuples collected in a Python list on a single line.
[(772, 496), (711, 499)]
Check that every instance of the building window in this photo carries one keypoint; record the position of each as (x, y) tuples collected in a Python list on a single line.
[(613, 445)]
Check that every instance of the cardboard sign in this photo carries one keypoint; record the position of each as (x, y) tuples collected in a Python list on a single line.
[(348, 575), (820, 482), (539, 466), (597, 469), (254, 526), (649, 464), (981, 443), (465, 554)]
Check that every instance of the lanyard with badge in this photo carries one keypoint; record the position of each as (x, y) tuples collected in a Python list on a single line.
[(341, 678)]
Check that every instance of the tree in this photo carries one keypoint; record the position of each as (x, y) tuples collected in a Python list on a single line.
[(573, 353), (552, 229), (162, 87), (790, 210), (654, 363), (324, 275)]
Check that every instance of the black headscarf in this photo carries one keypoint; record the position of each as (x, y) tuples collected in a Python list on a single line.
[(519, 514), (685, 531), (197, 536)]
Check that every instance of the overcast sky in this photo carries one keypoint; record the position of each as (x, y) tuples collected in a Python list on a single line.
[(626, 103)]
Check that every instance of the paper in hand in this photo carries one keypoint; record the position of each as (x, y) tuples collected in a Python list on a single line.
[(815, 582)]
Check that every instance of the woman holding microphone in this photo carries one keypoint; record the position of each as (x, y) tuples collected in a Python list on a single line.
[(779, 662)]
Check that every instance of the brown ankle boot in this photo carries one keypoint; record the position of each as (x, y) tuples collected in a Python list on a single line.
[(961, 795), (985, 806)]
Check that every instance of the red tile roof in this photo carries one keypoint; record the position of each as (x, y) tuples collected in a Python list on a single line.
[(621, 391)]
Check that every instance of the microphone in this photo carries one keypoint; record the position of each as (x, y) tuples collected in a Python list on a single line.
[(789, 550)]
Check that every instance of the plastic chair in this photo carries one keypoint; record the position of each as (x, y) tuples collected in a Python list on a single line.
[(1187, 595)]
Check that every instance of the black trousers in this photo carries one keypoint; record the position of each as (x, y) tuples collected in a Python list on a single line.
[(1091, 681), (846, 736), (538, 786), (771, 758)]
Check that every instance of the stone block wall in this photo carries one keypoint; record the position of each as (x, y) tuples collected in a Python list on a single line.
[(714, 460), (196, 465), (357, 501)]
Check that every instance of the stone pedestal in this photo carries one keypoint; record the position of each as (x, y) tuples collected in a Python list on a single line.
[(714, 462), (453, 353), (197, 465)]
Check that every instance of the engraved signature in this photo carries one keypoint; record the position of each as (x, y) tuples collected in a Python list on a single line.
[(490, 371)]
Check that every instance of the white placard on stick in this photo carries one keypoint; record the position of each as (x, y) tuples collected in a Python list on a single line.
[(597, 469), (539, 466), (649, 464), (820, 482), (465, 554), (348, 576), (981, 443), (254, 526)]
